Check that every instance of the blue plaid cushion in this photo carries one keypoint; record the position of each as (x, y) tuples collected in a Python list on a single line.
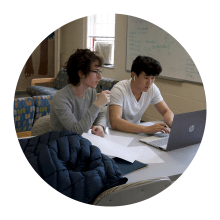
[(61, 79), (24, 110)]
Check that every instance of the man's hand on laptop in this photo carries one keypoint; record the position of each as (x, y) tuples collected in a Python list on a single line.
[(158, 127)]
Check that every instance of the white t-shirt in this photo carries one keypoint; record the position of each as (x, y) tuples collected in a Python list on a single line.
[(132, 110)]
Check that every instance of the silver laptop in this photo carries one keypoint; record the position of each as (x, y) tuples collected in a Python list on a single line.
[(187, 129)]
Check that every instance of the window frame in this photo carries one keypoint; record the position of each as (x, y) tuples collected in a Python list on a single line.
[(92, 37)]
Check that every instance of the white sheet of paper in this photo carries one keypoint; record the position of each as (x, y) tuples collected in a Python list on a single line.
[(125, 141), (113, 149), (147, 155)]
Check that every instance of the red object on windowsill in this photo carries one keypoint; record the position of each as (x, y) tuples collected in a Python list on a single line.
[(93, 43)]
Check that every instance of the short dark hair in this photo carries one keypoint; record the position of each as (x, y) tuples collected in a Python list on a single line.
[(146, 64), (81, 60)]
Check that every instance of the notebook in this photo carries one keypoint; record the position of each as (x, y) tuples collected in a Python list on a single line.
[(187, 129), (127, 167)]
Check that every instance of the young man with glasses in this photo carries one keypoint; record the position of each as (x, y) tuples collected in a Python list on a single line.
[(76, 106)]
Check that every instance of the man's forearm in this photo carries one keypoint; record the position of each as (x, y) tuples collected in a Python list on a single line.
[(126, 126), (168, 117)]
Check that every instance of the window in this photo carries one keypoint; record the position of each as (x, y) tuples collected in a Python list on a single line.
[(101, 36)]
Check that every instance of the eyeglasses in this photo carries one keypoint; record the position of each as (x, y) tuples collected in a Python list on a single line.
[(98, 72)]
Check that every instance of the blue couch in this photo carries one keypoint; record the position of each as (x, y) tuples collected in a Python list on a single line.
[(61, 81), (28, 109)]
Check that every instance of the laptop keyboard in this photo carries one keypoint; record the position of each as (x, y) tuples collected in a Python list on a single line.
[(160, 142)]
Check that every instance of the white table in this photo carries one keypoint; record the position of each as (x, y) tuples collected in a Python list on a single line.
[(175, 162)]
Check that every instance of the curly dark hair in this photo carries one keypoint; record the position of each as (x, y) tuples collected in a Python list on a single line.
[(146, 64), (81, 60)]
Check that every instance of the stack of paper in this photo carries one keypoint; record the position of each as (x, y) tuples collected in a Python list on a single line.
[(113, 149), (117, 146)]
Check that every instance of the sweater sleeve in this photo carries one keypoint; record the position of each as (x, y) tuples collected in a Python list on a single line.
[(63, 109), (101, 120)]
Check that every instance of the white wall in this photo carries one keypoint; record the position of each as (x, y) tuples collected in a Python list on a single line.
[(71, 38)]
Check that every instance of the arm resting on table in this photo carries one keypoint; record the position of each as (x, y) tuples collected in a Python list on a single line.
[(118, 123)]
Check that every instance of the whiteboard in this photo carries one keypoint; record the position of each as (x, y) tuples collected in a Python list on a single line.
[(145, 38)]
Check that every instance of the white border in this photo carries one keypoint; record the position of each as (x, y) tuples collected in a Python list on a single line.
[(194, 24)]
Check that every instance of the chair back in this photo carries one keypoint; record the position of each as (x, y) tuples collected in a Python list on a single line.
[(132, 192), (61, 79), (41, 126), (105, 84)]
